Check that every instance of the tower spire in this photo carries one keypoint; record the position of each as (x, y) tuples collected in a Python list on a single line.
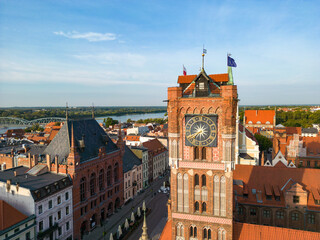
[(73, 144), (144, 235)]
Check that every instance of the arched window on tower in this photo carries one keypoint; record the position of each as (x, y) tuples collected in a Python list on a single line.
[(204, 207), (204, 153), (196, 206), (223, 197), (193, 231), (92, 184), (180, 230), (180, 192), (185, 193), (196, 188), (221, 234), (203, 180), (216, 191), (206, 233), (196, 153), (196, 179)]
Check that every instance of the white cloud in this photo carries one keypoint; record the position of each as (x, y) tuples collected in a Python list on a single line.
[(90, 36)]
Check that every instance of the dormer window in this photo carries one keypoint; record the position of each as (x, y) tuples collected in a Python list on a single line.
[(296, 199), (267, 122), (250, 122), (258, 122)]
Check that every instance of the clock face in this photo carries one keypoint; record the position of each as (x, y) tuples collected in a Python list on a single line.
[(201, 130)]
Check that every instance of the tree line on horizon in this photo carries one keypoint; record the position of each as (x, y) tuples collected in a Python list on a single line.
[(76, 113)]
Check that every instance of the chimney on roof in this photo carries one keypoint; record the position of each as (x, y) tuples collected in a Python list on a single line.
[(57, 164), (8, 185), (48, 162), (15, 173), (81, 143), (256, 112)]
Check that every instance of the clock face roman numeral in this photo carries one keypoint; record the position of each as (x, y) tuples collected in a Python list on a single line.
[(201, 130)]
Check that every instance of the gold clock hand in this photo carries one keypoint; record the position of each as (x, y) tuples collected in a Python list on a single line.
[(194, 135)]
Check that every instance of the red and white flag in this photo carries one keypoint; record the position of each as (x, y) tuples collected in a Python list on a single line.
[(184, 71)]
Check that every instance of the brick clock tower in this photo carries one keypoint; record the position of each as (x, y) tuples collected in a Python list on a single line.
[(202, 137)]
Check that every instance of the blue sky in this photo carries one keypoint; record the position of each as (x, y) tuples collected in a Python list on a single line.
[(120, 53)]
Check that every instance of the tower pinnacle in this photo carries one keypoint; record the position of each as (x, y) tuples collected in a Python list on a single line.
[(144, 235)]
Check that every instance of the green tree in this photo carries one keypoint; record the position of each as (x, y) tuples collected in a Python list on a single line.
[(109, 121), (264, 142), (129, 120)]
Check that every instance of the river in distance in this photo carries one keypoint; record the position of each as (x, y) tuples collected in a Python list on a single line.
[(122, 118)]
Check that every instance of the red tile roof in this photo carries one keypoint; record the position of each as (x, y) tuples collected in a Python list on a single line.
[(245, 231), (255, 178), (215, 77), (132, 138), (155, 146), (260, 115), (9, 215), (167, 231), (293, 130)]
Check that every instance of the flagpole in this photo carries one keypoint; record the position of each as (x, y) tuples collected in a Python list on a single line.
[(230, 82)]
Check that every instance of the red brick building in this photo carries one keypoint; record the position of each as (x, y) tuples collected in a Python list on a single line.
[(202, 130), (82, 149)]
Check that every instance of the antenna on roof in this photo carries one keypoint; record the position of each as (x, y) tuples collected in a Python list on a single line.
[(67, 111), (92, 110)]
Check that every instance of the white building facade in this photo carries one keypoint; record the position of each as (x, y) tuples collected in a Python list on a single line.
[(48, 196)]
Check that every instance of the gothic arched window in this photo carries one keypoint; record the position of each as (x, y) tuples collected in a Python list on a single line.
[(185, 193), (196, 180), (82, 189), (203, 180), (204, 207), (216, 190), (223, 197), (101, 180), (196, 206), (109, 177), (180, 192), (196, 153), (204, 153), (92, 184), (116, 172)]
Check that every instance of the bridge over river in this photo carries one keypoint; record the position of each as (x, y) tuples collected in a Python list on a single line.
[(20, 122)]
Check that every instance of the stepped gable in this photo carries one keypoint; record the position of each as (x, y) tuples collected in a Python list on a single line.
[(9, 216), (129, 160), (86, 131)]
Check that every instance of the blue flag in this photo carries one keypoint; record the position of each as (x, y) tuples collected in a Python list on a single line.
[(231, 62)]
